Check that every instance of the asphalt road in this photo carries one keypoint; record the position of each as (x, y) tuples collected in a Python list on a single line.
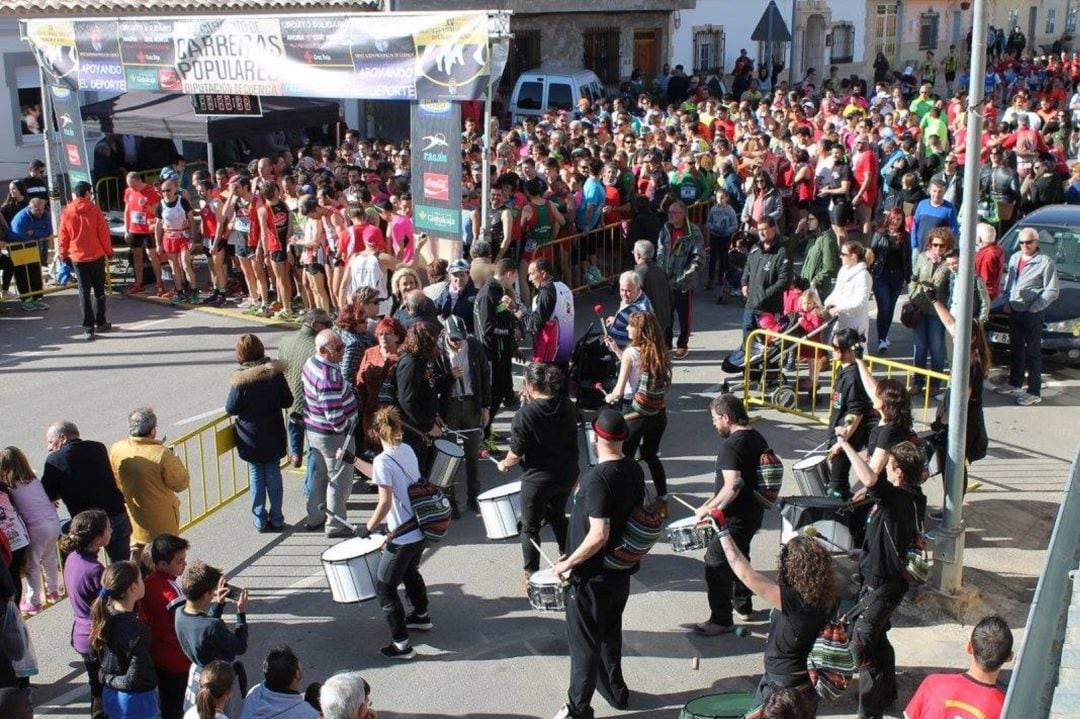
[(490, 655)]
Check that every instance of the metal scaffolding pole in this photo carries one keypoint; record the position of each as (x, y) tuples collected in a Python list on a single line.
[(949, 544)]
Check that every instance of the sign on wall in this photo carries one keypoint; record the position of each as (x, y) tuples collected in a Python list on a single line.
[(431, 56)]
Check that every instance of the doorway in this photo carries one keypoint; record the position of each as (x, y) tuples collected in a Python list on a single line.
[(814, 45), (1033, 16), (646, 52)]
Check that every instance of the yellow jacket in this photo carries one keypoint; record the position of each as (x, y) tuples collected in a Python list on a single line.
[(149, 475)]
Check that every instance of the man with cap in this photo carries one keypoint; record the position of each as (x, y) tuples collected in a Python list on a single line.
[(84, 241), (458, 298), (465, 396), (605, 497)]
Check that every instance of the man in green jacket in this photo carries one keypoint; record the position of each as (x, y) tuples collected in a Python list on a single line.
[(822, 260)]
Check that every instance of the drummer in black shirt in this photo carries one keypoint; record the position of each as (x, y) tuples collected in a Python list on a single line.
[(605, 497), (543, 438), (736, 480), (850, 409), (803, 597), (891, 530)]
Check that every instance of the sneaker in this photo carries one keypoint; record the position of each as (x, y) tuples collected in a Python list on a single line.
[(681, 352), (712, 629), (134, 290), (245, 304), (253, 309), (390, 651), (217, 300), (1008, 390), (284, 316), (563, 713), (52, 597), (40, 304), (29, 609), (27, 305), (936, 514), (420, 622), (455, 512), (160, 291), (1027, 399), (339, 533), (883, 346), (745, 613), (105, 327), (88, 335), (176, 299), (193, 298)]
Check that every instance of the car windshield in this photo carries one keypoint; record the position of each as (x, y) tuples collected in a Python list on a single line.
[(1060, 243)]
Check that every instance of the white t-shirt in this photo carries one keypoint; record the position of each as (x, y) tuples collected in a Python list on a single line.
[(397, 468), (635, 372)]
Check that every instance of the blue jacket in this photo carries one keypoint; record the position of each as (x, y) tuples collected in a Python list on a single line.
[(27, 228), (927, 217)]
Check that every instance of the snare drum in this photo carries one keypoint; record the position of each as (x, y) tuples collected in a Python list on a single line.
[(500, 508), (547, 593), (732, 705), (351, 568), (690, 533), (812, 474), (448, 456)]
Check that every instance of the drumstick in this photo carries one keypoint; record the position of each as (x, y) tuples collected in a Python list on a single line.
[(542, 554), (423, 435), (815, 449), (684, 503), (323, 508)]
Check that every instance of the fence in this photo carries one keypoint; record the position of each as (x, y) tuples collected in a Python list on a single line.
[(109, 191), (785, 373), (26, 260), (604, 248)]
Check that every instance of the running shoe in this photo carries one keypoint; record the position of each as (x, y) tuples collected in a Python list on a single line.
[(176, 299), (160, 291), (1008, 390), (40, 304), (27, 305), (253, 309), (1027, 399), (29, 608), (134, 290), (421, 622), (284, 316), (390, 651), (245, 304), (193, 297)]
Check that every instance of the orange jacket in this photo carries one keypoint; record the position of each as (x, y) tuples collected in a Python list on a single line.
[(84, 232)]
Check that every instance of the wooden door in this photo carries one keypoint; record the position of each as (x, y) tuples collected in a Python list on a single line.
[(646, 52)]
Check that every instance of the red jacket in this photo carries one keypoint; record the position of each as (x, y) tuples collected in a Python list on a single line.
[(990, 265), (161, 592), (84, 232)]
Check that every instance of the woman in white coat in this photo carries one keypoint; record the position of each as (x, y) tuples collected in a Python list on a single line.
[(849, 302)]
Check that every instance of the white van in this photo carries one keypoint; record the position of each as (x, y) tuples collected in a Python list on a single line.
[(542, 89)]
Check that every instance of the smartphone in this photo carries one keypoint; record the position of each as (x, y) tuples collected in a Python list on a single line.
[(234, 592)]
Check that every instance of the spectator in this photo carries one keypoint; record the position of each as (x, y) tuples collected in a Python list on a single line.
[(481, 267), (42, 524), (216, 684), (989, 259), (149, 475), (376, 365), (345, 696), (892, 258), (822, 260), (88, 532), (765, 277), (848, 302), (129, 688), (32, 224), (278, 696), (932, 213), (680, 252), (258, 393), (929, 280), (296, 349), (17, 536), (654, 283), (458, 298), (415, 382), (631, 300), (204, 636), (937, 697), (1031, 285), (164, 596), (84, 239)]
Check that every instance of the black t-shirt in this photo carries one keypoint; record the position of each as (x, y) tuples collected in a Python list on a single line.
[(610, 490), (891, 526), (792, 631), (850, 397), (544, 434), (741, 451), (977, 439), (887, 436), (835, 176)]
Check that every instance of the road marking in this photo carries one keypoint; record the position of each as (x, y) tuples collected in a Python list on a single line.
[(147, 324), (197, 417)]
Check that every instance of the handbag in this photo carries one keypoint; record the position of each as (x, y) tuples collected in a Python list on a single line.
[(915, 563), (909, 314), (836, 656)]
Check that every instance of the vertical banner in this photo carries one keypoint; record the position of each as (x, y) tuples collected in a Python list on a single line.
[(436, 168), (74, 162)]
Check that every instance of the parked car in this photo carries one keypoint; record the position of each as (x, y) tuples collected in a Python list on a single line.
[(1059, 238), (548, 89)]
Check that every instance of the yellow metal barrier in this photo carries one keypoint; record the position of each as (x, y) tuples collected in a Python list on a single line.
[(109, 191), (786, 374)]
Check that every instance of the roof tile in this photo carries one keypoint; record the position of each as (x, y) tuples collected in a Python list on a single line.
[(32, 9)]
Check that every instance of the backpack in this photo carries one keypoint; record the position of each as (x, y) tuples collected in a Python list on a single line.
[(770, 475), (835, 656), (430, 508)]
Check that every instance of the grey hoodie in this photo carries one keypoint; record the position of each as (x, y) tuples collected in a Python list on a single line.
[(262, 703), (1035, 287)]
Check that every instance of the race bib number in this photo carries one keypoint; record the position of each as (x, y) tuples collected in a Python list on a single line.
[(138, 218), (242, 224), (688, 192)]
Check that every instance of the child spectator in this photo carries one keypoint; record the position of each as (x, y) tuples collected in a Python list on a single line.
[(88, 533), (163, 597), (122, 644), (215, 690), (278, 696), (42, 524), (203, 635), (12, 527)]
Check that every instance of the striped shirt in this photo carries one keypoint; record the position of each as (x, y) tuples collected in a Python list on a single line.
[(618, 330), (649, 399), (329, 401)]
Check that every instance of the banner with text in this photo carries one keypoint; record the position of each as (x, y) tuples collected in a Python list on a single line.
[(436, 168), (68, 117), (403, 56)]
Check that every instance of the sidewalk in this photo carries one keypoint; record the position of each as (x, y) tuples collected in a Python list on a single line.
[(496, 658)]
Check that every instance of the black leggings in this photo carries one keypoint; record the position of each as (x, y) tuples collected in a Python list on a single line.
[(401, 563), (542, 498), (718, 258), (648, 431)]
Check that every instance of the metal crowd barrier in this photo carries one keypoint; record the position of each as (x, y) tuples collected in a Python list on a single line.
[(789, 374), (604, 247), (26, 255), (209, 453), (109, 191)]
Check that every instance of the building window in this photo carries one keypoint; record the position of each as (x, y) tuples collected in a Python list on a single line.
[(957, 27), (843, 43), (28, 102), (885, 30), (1014, 20), (524, 55), (1051, 18), (602, 53), (928, 31), (708, 49), (1070, 19)]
